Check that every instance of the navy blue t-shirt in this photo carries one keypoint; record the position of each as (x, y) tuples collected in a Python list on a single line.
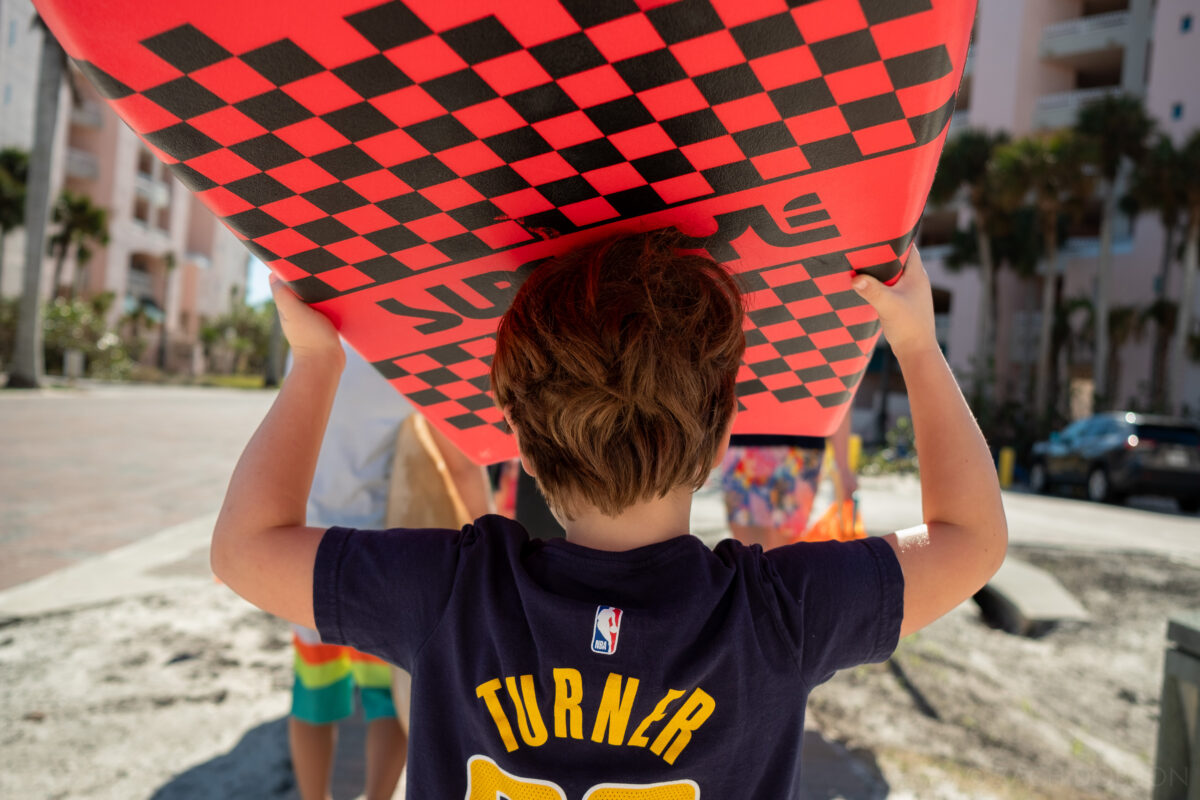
[(543, 670)]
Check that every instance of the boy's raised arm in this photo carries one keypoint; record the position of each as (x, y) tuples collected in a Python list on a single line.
[(965, 536), (260, 547)]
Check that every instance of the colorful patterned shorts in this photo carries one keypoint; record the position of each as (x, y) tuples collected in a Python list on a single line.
[(326, 674), (771, 487)]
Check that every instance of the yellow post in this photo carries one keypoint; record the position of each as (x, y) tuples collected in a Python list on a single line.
[(1008, 460), (855, 454)]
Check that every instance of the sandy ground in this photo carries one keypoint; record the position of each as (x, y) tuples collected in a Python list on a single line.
[(183, 695)]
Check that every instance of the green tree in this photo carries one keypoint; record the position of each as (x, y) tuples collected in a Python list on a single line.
[(1190, 164), (1116, 128), (14, 173), (964, 166), (1048, 169), (82, 224)]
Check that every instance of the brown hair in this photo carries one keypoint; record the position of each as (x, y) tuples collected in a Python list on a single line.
[(617, 363)]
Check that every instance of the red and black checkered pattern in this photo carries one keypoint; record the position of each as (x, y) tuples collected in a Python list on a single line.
[(360, 147)]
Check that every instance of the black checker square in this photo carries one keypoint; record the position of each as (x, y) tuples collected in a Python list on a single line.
[(359, 121), (662, 166), (261, 253), (316, 261), (195, 181), (833, 400), (460, 89), (254, 223), (107, 85), (802, 98), (877, 11), (789, 393), (373, 76), (568, 55), (463, 247), (497, 181), (589, 13), (731, 83), (636, 201), (696, 126), (729, 178), (313, 290), (334, 198), (818, 372), (439, 376), (800, 290), (519, 144), (466, 421), (394, 239), (619, 115), (182, 142), (389, 25), (845, 52), (481, 40), (913, 69), (259, 189), (769, 138), (326, 230), (830, 153), (591, 155), (821, 322), (541, 103), (282, 62), (863, 330), (267, 151), (449, 354), (440, 133), (407, 207), (273, 110), (769, 35), (683, 20), (421, 173), (477, 215), (346, 162), (428, 397), (656, 68), (771, 315), (383, 269), (747, 388), (927, 127), (549, 220), (795, 345), (841, 352), (772, 367), (185, 48), (477, 402), (877, 110), (567, 190)]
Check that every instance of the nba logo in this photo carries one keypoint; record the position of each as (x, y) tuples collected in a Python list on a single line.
[(604, 634)]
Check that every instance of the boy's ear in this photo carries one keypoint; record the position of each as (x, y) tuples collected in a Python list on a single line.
[(724, 448), (525, 465)]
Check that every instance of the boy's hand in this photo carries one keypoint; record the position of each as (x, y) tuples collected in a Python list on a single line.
[(308, 331), (906, 309)]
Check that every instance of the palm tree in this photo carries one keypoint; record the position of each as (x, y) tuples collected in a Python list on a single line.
[(1160, 183), (964, 165), (1190, 164), (81, 224), (14, 172), (28, 358), (1050, 169), (1116, 128), (169, 264)]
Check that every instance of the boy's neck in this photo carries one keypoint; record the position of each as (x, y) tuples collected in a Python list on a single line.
[(637, 526)]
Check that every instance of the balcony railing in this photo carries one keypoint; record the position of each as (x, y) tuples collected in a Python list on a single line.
[(82, 165), (1085, 34), (1060, 109), (87, 115)]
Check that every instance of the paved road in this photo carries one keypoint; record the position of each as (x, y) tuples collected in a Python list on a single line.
[(85, 471)]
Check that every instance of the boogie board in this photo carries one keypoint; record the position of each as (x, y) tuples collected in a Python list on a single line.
[(404, 165)]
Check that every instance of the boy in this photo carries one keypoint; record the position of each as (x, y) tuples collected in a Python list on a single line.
[(626, 661)]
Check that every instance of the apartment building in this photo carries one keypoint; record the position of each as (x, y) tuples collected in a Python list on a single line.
[(167, 256), (1033, 65)]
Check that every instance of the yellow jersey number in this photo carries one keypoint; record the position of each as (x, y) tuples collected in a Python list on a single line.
[(487, 781)]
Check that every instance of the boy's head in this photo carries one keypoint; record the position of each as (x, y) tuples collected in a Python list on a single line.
[(616, 364)]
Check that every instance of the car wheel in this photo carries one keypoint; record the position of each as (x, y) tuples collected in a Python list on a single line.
[(1098, 488), (1039, 479)]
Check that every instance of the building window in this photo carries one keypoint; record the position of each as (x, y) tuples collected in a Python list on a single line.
[(1185, 24), (141, 209), (1177, 111), (145, 165)]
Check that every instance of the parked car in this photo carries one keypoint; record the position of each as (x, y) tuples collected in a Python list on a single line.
[(1117, 454)]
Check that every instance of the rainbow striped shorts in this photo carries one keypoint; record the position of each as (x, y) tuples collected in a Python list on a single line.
[(325, 677)]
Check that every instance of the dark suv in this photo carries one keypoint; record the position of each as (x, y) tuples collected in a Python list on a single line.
[(1121, 453)]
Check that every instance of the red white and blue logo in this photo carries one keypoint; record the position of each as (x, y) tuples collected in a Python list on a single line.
[(606, 630)]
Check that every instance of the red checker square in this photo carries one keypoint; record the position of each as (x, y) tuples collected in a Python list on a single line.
[(817, 125), (472, 368), (490, 414), (437, 226), (458, 390), (826, 19), (333, 45), (293, 211), (355, 250), (642, 141), (452, 194), (144, 113), (417, 363), (708, 53), (223, 202), (567, 130), (546, 168), (522, 203), (926, 97), (907, 34), (322, 93), (616, 178), (847, 366), (408, 106), (409, 384), (345, 278), (832, 284), (682, 187), (421, 256), (859, 82), (810, 358), (826, 386), (713, 152), (503, 234), (780, 163), (159, 154), (393, 147), (587, 212), (625, 37), (786, 69), (425, 59), (596, 86), (490, 118), (884, 137), (286, 242), (512, 73), (222, 166), (738, 12), (672, 100), (871, 256), (781, 380), (857, 314), (480, 348), (232, 80), (227, 126), (811, 307), (365, 219), (831, 338), (759, 353), (312, 136), (301, 176), (748, 112), (287, 271), (469, 158), (378, 185)]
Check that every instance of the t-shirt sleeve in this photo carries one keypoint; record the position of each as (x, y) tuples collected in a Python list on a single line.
[(841, 603), (383, 592)]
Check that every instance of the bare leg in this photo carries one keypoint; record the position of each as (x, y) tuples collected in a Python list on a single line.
[(312, 749), (387, 750)]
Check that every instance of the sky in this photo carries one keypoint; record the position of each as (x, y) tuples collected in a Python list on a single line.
[(258, 288)]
